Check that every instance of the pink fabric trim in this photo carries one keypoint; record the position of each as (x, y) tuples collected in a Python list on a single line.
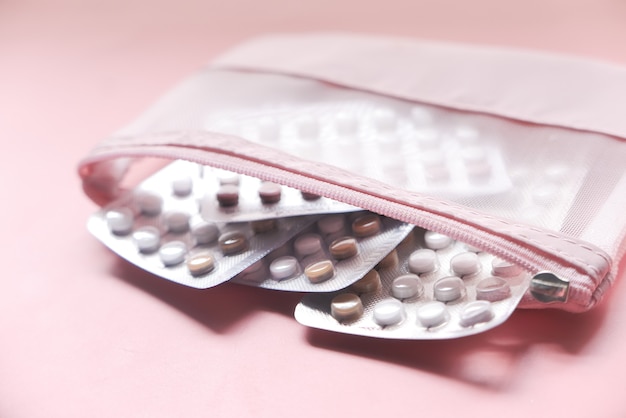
[(540, 88)]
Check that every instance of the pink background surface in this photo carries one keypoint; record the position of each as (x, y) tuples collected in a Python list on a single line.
[(83, 333)]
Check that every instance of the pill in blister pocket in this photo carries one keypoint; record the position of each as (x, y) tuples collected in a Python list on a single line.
[(176, 222), (346, 307), (147, 239), (505, 268), (204, 232), (346, 124), (492, 289), (465, 264), (182, 186), (368, 283), (263, 225), (284, 267), (120, 221), (422, 261), (149, 204), (320, 271), (331, 224), (270, 192), (384, 119), (437, 241), (366, 225), (389, 261), (307, 127), (407, 286), (201, 263), (448, 289), (389, 312), (173, 253), (233, 242), (432, 314), (310, 196), (228, 177), (344, 247), (476, 312), (307, 244), (228, 195)]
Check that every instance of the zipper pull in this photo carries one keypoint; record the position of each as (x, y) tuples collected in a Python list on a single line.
[(546, 287)]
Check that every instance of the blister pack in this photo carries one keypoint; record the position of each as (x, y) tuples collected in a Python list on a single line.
[(332, 254), (436, 289)]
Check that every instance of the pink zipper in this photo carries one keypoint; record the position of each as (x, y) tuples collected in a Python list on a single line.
[(586, 268)]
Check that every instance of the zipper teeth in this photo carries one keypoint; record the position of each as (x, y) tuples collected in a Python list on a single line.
[(520, 255)]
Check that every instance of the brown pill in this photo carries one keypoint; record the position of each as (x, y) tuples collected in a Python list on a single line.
[(200, 264), (233, 242), (320, 271), (310, 196), (390, 261), (270, 192), (346, 307), (344, 247), (228, 195), (366, 225), (263, 225), (368, 283)]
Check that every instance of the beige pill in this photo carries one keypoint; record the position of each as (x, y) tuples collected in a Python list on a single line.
[(366, 225), (233, 242), (310, 196), (200, 264), (343, 248), (346, 307), (368, 283), (390, 261), (228, 195), (320, 271), (269, 192), (263, 225)]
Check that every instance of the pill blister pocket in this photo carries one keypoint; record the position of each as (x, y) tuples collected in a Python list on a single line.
[(337, 251), (439, 289)]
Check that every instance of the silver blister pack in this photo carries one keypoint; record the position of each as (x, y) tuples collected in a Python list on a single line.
[(337, 251), (438, 289)]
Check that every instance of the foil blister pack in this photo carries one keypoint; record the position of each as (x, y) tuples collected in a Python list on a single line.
[(436, 289), (330, 255)]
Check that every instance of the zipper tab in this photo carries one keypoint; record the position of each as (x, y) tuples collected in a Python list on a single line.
[(546, 287)]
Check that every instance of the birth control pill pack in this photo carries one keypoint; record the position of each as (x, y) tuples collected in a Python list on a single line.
[(329, 255), (435, 289), (162, 228)]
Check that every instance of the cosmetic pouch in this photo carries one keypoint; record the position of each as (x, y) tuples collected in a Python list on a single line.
[(517, 153)]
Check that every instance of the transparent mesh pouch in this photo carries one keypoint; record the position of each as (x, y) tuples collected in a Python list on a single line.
[(519, 154)]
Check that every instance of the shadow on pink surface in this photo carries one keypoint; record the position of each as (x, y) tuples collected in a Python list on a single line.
[(491, 360)]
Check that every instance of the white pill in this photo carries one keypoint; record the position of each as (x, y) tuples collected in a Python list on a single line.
[(228, 177), (268, 129), (384, 119), (492, 289), (307, 127), (205, 232), (307, 244), (149, 203), (283, 267), (465, 264), (389, 312), (448, 289), (436, 241), (147, 239), (120, 221), (346, 124), (432, 314), (407, 286), (504, 268), (176, 222), (476, 312), (421, 116), (423, 261), (331, 224), (182, 186), (173, 253)]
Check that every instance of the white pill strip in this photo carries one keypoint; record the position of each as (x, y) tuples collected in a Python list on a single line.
[(436, 289)]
